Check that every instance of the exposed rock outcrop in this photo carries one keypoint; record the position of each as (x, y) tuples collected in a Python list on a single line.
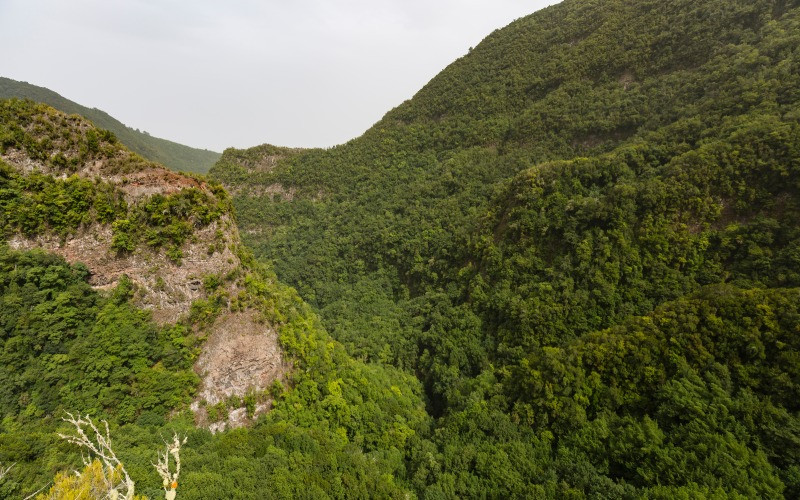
[(163, 287), (241, 354)]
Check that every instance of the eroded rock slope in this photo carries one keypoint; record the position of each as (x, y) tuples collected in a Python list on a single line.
[(171, 237)]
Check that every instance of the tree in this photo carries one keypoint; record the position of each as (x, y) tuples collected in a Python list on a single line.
[(95, 481), (105, 476), (4, 470)]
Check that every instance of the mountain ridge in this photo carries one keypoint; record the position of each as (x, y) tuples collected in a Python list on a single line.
[(167, 233), (175, 156), (127, 296)]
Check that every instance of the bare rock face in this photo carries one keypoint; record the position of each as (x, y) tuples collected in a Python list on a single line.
[(241, 351), (242, 354), (162, 287), (241, 357)]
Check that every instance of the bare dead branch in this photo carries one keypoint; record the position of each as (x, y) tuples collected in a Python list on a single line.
[(5, 470), (33, 495), (98, 443), (169, 479)]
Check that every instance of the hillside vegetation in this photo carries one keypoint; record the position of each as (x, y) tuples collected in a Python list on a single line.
[(569, 267), (90, 336), (583, 238), (171, 154)]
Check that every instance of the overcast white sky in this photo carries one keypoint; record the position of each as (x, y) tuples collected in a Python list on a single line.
[(220, 73)]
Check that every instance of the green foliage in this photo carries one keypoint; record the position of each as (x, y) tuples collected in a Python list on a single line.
[(35, 203), (61, 142), (63, 346), (167, 221), (66, 347), (123, 235), (568, 268), (94, 481), (640, 399), (584, 166)]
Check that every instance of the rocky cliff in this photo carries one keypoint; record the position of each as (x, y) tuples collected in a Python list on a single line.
[(171, 237)]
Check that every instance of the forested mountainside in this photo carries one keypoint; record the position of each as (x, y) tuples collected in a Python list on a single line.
[(171, 154), (569, 267), (126, 295), (583, 239)]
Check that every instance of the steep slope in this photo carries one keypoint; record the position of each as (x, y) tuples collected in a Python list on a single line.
[(75, 191), (160, 321), (396, 212), (171, 154), (579, 168)]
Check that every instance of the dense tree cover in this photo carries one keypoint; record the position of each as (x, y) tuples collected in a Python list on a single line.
[(337, 425), (168, 220), (61, 142), (395, 213), (696, 400), (171, 154), (702, 392), (340, 426), (568, 268), (34, 203), (66, 347), (588, 241), (246, 168), (582, 167)]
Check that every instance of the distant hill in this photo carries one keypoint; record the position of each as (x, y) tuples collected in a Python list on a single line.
[(173, 155)]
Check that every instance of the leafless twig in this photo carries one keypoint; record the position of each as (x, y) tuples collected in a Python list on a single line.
[(4, 470), (32, 495), (99, 444), (170, 480)]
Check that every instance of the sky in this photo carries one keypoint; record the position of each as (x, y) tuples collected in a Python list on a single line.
[(237, 73)]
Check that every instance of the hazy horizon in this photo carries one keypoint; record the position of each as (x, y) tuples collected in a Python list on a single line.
[(209, 75)]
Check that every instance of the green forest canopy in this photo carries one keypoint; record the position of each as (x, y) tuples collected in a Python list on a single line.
[(568, 268), (581, 167)]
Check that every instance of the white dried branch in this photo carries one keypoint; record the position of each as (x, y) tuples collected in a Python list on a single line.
[(5, 470), (33, 495), (170, 479), (99, 445)]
